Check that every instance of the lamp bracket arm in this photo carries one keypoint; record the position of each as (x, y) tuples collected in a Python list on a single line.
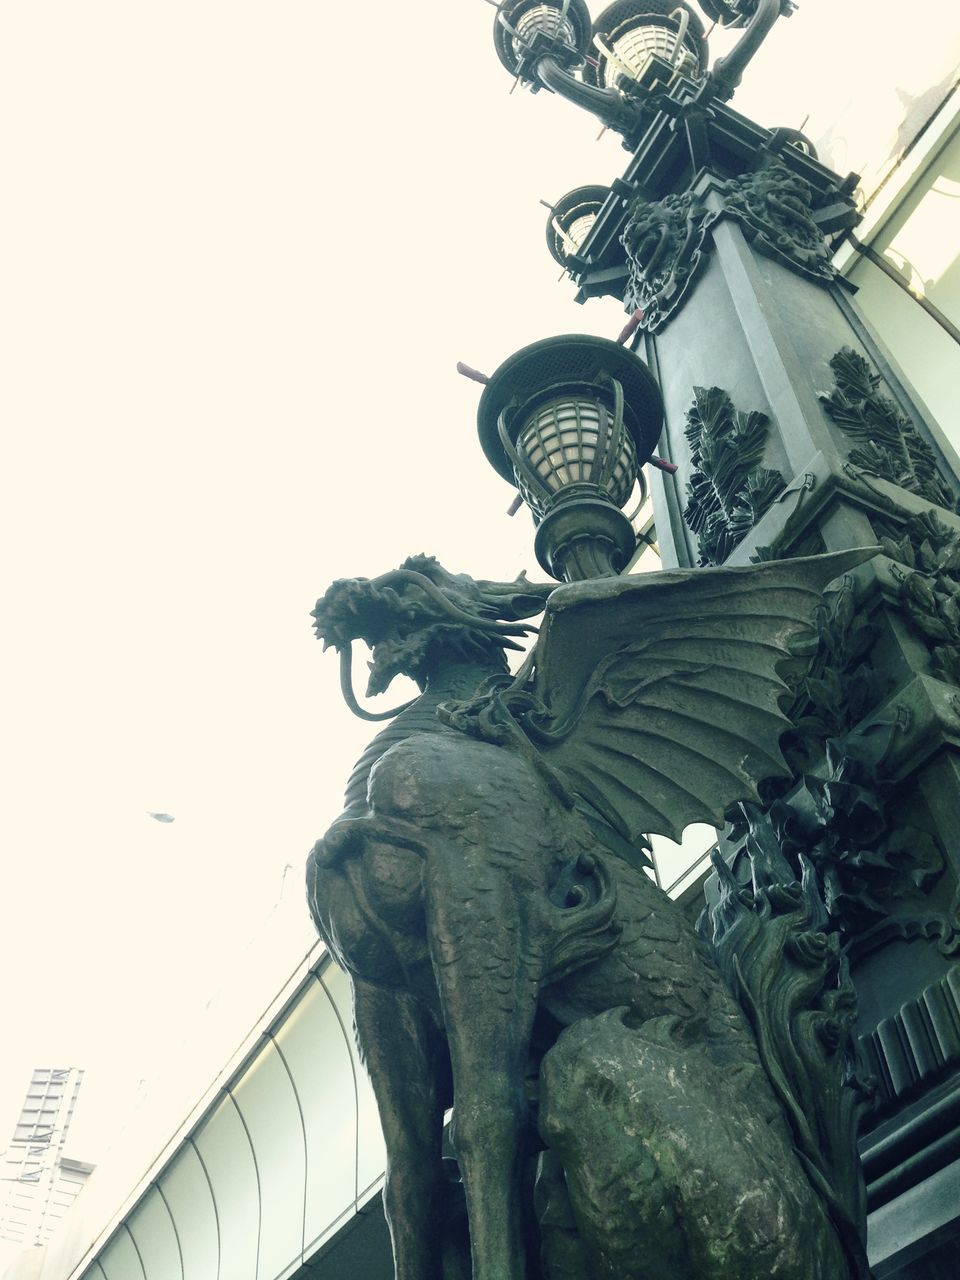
[(728, 71), (606, 104)]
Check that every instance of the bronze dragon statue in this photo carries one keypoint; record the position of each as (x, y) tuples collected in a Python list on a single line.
[(487, 890)]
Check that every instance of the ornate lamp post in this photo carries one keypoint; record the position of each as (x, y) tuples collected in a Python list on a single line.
[(793, 433), (488, 869)]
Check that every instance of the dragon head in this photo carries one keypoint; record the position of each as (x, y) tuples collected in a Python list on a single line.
[(412, 615)]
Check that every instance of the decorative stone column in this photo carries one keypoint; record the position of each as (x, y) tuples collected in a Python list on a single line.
[(793, 433)]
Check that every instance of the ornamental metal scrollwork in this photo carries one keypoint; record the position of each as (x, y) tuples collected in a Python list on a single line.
[(663, 240), (774, 206), (871, 867), (841, 811), (840, 686), (666, 240)]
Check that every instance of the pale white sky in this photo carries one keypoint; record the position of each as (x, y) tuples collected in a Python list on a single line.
[(244, 246)]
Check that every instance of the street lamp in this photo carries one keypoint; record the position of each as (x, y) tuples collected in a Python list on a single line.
[(571, 219), (640, 45), (528, 29), (570, 421), (544, 43), (630, 32)]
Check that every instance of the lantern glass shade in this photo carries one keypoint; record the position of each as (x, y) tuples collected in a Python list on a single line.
[(567, 412), (560, 27), (635, 46), (546, 18), (580, 228), (571, 221), (566, 442), (629, 32)]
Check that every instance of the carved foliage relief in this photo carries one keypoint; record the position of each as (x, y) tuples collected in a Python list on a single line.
[(729, 490), (886, 443), (838, 686), (870, 865), (832, 870)]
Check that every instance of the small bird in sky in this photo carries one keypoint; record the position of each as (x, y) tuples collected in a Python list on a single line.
[(161, 817)]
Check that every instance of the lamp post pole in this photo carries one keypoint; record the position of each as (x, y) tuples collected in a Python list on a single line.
[(793, 433)]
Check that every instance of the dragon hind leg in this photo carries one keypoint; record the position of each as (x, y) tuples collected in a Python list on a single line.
[(672, 1164)]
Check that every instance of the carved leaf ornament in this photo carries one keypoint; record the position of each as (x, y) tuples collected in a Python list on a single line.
[(842, 812), (729, 490), (887, 444), (839, 686)]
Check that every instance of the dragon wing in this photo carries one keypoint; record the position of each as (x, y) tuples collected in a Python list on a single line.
[(659, 694)]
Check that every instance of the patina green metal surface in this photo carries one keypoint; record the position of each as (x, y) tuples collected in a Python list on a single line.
[(632, 1098), (512, 959)]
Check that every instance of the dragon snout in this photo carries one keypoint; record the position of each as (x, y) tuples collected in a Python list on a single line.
[(359, 609), (343, 612)]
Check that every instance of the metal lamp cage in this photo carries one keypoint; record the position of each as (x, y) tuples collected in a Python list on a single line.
[(571, 219), (545, 18), (570, 420), (566, 22), (628, 32), (571, 440)]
